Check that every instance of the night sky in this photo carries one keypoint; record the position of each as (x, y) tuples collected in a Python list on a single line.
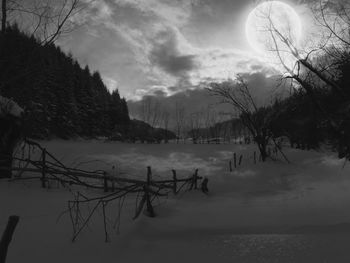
[(163, 47)]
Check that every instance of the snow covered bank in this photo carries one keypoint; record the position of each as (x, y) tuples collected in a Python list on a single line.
[(257, 213), (9, 106)]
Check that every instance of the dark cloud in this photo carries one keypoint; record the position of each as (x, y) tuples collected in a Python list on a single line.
[(159, 93), (166, 55), (256, 67)]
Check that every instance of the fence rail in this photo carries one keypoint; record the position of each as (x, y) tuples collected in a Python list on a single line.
[(48, 168)]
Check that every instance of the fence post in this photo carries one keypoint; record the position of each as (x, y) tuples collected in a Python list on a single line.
[(105, 183), (175, 182), (114, 173), (254, 157), (7, 236), (43, 169), (240, 159), (149, 206), (235, 160), (204, 186), (195, 177), (149, 175)]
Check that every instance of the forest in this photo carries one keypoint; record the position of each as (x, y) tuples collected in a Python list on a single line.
[(60, 98)]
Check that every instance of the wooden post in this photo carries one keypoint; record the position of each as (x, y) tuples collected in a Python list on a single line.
[(240, 159), (149, 207), (254, 157), (204, 186), (149, 175), (7, 237), (105, 182), (195, 178), (105, 221), (114, 173), (175, 182), (235, 160), (230, 165), (43, 170)]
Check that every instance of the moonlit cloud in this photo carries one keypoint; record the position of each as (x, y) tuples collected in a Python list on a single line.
[(163, 46)]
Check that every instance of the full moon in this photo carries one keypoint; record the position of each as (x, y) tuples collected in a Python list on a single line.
[(269, 16)]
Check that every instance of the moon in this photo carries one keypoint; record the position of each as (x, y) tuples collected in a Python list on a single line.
[(282, 16)]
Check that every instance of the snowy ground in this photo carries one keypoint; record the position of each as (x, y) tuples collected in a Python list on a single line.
[(268, 212)]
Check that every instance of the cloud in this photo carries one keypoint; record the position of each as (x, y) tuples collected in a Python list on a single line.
[(110, 83), (93, 13), (172, 12), (166, 55), (156, 46), (163, 46), (169, 59)]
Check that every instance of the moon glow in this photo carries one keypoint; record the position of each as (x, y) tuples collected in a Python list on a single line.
[(259, 24)]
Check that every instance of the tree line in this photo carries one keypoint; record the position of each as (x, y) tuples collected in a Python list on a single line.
[(60, 97)]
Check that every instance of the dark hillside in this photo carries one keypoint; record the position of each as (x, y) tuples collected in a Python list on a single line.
[(60, 98)]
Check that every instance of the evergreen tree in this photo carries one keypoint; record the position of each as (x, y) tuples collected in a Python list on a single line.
[(60, 98)]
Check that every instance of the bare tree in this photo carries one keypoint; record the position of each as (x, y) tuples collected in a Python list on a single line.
[(165, 121), (150, 111), (48, 19), (208, 123), (255, 119), (179, 120), (315, 65), (334, 17), (195, 122), (155, 114)]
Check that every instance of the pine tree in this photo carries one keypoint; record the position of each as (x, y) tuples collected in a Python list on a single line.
[(61, 98)]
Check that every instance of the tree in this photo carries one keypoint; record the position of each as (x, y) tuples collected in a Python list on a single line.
[(315, 66), (60, 98), (10, 133), (49, 19), (179, 120), (165, 115), (150, 111), (256, 120), (195, 121)]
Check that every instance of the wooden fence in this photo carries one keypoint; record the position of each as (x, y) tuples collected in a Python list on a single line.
[(47, 168)]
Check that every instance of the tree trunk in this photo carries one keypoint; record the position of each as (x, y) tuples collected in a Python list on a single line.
[(7, 237), (262, 147), (6, 163), (4, 13), (10, 133)]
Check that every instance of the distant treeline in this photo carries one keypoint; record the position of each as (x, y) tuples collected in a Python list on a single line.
[(60, 98), (307, 118), (308, 122)]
